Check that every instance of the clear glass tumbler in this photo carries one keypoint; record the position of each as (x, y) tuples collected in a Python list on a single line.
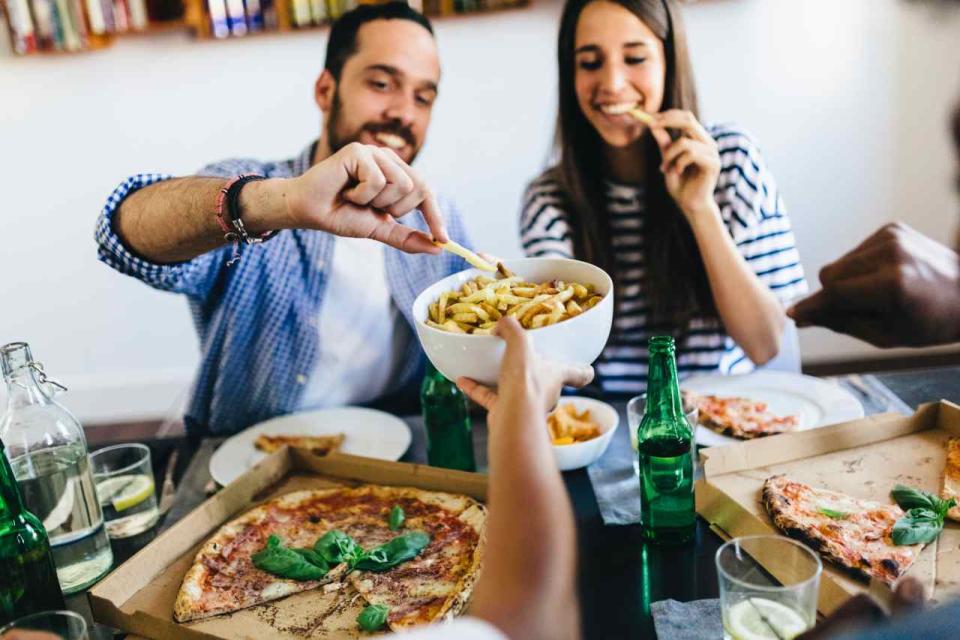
[(123, 476), (66, 625), (768, 587)]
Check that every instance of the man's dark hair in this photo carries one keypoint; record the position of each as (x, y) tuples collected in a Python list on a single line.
[(343, 34)]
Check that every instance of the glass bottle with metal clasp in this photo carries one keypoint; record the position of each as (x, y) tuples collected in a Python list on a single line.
[(665, 448), (48, 456)]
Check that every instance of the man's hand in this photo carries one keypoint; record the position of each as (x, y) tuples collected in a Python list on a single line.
[(862, 611), (898, 288), (359, 192), (526, 382)]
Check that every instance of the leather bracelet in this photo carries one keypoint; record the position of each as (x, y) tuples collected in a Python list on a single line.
[(232, 198), (229, 234)]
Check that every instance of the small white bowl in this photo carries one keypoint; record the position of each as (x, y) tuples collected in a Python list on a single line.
[(577, 341), (582, 454)]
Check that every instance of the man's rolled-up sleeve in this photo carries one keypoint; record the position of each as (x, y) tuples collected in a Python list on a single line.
[(192, 277)]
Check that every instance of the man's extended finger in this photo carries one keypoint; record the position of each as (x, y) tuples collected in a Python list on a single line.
[(810, 310), (434, 219), (398, 236), (482, 395)]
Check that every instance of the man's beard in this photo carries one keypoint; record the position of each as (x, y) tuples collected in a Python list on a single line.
[(338, 141)]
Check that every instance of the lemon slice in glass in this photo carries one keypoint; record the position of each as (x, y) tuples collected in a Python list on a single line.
[(124, 492), (762, 619)]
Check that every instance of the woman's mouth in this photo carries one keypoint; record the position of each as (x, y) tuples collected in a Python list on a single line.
[(617, 108)]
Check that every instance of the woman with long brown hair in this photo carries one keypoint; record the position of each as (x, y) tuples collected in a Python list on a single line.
[(687, 219)]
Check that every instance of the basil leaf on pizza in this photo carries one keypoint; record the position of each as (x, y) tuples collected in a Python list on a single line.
[(336, 547), (400, 549), (396, 517), (918, 526), (286, 563), (909, 498), (832, 513), (373, 617), (313, 558)]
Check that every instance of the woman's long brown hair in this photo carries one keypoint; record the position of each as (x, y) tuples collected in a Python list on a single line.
[(675, 279)]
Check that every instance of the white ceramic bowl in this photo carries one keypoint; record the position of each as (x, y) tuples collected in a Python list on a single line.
[(582, 454), (578, 340)]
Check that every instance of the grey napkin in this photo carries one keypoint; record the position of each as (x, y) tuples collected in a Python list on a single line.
[(697, 620), (875, 396), (614, 482)]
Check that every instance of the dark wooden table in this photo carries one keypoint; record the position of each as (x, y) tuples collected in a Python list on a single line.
[(619, 575)]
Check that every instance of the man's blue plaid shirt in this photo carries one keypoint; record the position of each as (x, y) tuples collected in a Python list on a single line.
[(257, 320)]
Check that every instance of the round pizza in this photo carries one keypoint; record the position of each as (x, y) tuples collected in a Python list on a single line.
[(364, 525)]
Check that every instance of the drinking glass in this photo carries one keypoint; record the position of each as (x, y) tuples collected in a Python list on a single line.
[(768, 587), (65, 624), (123, 477)]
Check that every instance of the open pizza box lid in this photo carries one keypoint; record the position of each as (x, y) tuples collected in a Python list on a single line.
[(138, 596), (863, 458)]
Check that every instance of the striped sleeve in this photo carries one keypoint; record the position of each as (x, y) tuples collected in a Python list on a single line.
[(754, 212), (544, 224)]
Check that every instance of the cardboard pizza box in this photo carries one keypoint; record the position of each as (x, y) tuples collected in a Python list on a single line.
[(138, 596), (864, 458)]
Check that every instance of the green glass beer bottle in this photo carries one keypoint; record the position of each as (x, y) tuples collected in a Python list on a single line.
[(28, 577), (446, 417), (666, 450)]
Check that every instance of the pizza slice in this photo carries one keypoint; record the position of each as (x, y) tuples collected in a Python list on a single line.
[(852, 533), (318, 445), (223, 577), (951, 477), (739, 417), (438, 582)]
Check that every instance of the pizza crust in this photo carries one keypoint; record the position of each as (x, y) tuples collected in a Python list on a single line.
[(951, 477)]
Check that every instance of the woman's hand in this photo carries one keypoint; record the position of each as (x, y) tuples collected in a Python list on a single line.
[(691, 163), (528, 384)]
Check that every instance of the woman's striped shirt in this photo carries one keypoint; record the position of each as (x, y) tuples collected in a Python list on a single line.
[(754, 214)]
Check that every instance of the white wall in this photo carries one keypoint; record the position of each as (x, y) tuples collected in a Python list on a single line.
[(848, 99)]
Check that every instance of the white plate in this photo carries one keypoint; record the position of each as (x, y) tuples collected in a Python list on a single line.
[(816, 402), (368, 432)]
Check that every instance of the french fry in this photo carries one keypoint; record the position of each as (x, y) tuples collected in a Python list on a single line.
[(567, 426), (477, 304), (466, 254)]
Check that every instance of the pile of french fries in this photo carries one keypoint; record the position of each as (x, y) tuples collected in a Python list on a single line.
[(479, 303), (567, 426)]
